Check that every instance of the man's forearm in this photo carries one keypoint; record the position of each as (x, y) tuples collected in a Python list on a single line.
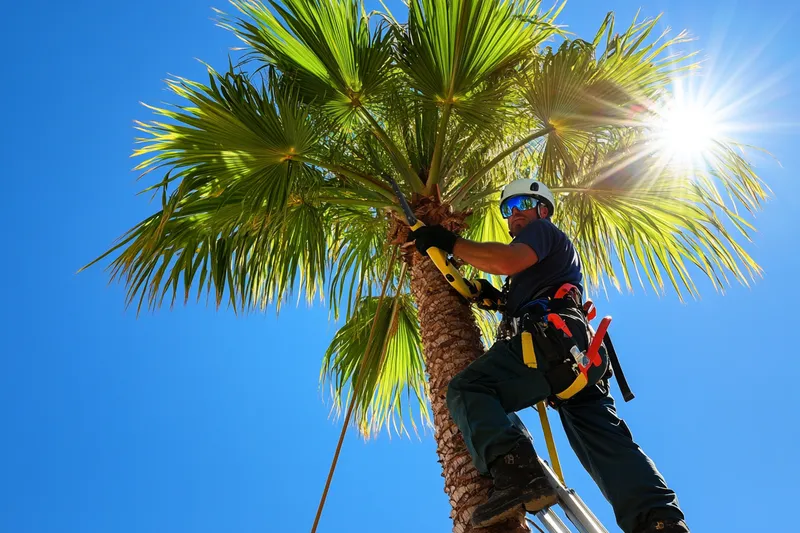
[(491, 257)]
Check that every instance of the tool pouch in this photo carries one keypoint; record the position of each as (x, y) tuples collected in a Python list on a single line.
[(562, 356)]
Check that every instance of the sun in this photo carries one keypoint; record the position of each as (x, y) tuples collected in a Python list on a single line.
[(685, 131)]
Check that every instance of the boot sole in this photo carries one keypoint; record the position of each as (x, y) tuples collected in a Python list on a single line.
[(502, 517), (529, 503), (542, 502)]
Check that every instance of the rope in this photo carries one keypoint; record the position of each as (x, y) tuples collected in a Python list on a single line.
[(541, 407), (360, 378)]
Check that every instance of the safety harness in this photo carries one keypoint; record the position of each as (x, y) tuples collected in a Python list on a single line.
[(567, 368)]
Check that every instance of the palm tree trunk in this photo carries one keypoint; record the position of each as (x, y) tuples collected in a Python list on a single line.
[(450, 341)]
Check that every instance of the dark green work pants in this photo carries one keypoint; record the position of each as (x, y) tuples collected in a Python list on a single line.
[(483, 398)]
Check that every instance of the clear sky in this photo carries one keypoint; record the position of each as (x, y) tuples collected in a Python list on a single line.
[(194, 420)]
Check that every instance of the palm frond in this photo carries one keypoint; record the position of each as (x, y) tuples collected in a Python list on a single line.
[(488, 322), (208, 246), (357, 256), (457, 56), (579, 91), (327, 47), (631, 68), (451, 48), (231, 135), (247, 217), (413, 123), (629, 212), (384, 391)]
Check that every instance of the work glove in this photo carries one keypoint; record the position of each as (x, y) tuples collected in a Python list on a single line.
[(488, 292), (433, 236)]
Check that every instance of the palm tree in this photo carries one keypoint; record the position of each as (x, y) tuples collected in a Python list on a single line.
[(271, 183)]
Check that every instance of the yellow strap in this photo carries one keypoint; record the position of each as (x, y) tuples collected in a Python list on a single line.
[(577, 386), (548, 438), (529, 357), (528, 354)]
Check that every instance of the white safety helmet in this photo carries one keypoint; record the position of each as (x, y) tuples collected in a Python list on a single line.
[(528, 187)]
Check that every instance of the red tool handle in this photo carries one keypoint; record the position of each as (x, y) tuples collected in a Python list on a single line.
[(593, 353), (559, 323), (564, 290)]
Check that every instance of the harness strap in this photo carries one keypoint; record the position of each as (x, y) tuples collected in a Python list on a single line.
[(624, 388), (528, 353)]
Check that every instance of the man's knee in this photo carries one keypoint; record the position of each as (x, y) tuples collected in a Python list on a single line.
[(454, 389), (457, 387)]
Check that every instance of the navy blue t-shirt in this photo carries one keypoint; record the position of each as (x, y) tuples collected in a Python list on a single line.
[(558, 264)]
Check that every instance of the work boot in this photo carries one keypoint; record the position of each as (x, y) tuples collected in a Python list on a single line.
[(519, 481), (665, 526)]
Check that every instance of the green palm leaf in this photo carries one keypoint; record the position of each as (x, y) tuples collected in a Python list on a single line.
[(579, 91), (456, 55), (632, 213), (327, 46), (328, 49), (576, 92), (633, 69), (384, 389), (450, 49), (230, 135), (248, 215), (488, 323), (357, 255), (207, 245)]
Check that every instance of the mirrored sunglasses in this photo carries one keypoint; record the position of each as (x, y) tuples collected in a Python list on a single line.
[(522, 203)]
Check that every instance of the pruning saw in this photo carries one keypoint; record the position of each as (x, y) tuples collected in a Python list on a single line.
[(469, 289)]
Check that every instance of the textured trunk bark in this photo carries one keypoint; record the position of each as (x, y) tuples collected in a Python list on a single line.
[(450, 341)]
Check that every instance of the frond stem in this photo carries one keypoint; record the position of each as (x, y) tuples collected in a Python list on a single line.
[(394, 153), (364, 179), (436, 159), (478, 174), (359, 380)]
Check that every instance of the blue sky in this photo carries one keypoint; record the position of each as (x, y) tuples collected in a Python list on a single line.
[(193, 420)]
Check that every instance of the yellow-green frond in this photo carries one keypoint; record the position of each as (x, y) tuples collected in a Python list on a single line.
[(634, 217), (394, 394), (330, 48), (358, 255)]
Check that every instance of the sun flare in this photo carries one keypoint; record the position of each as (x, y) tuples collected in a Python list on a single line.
[(686, 130)]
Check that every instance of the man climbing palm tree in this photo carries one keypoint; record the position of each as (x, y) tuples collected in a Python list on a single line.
[(539, 260)]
